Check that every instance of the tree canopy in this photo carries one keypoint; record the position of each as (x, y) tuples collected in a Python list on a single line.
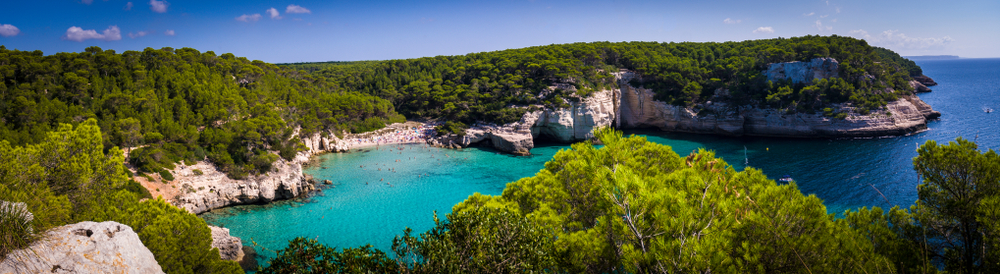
[(483, 86), (634, 206), (67, 178), (179, 104)]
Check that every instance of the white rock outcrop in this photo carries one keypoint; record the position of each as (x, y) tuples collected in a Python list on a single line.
[(213, 189), (85, 247), (632, 107), (803, 72), (638, 109), (230, 248), (575, 123)]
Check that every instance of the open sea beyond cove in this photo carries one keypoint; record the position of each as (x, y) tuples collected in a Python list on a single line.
[(377, 193)]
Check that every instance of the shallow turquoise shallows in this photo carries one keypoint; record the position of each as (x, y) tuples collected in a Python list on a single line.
[(368, 205)]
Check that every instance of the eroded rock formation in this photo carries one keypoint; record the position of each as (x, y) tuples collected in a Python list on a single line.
[(803, 72), (230, 248), (213, 189), (639, 109), (927, 81), (85, 247), (571, 124)]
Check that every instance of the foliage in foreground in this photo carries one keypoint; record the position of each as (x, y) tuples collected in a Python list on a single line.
[(67, 178), (955, 222), (637, 207)]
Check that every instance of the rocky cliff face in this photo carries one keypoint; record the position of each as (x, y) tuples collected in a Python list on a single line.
[(803, 72), (230, 248), (213, 189), (927, 81), (918, 86), (639, 109), (566, 125), (85, 247), (631, 107)]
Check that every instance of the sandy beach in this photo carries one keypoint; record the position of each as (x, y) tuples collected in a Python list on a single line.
[(398, 133)]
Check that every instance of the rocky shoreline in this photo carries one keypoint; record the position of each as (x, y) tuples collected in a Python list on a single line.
[(624, 106), (635, 107)]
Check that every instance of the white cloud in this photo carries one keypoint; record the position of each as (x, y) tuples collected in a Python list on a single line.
[(895, 40), (838, 9), (78, 34), (88, 2), (169, 32), (8, 30), (833, 21), (824, 16), (128, 6), (273, 12), (137, 34), (249, 18), (820, 27), (158, 6), (809, 14), (764, 30), (731, 21), (296, 9)]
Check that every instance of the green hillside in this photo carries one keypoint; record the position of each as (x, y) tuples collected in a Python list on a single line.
[(481, 86)]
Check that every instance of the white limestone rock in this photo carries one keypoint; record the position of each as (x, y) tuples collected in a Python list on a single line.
[(803, 72), (230, 248), (213, 189), (85, 247), (638, 109)]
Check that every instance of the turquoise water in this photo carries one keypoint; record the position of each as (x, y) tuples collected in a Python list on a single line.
[(362, 207)]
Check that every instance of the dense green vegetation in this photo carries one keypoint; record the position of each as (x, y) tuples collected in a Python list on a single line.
[(482, 86), (900, 62), (67, 178), (637, 207), (178, 105)]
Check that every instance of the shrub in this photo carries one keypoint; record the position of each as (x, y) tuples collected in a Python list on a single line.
[(165, 174), (198, 172), (15, 227), (137, 188)]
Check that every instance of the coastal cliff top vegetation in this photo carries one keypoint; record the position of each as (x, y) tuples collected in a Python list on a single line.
[(483, 86), (68, 177), (165, 106), (174, 105)]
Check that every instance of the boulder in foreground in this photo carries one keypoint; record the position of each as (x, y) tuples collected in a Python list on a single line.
[(85, 247)]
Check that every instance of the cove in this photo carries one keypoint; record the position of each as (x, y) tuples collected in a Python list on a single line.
[(361, 207)]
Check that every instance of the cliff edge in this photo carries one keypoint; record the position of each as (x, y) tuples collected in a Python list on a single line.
[(635, 107)]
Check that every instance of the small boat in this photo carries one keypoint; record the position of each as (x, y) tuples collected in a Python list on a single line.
[(987, 109), (786, 179)]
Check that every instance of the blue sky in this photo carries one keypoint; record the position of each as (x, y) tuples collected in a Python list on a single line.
[(311, 31)]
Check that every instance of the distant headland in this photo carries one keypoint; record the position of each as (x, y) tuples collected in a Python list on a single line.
[(931, 57)]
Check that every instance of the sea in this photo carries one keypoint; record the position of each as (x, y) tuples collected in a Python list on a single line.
[(377, 193)]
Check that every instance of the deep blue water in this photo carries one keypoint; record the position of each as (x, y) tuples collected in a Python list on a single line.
[(363, 208)]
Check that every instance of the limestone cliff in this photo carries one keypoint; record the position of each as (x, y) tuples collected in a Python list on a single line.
[(85, 247), (571, 124), (213, 189), (230, 248), (799, 72), (632, 107), (639, 109)]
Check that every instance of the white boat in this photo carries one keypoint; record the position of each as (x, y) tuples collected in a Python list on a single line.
[(786, 179)]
